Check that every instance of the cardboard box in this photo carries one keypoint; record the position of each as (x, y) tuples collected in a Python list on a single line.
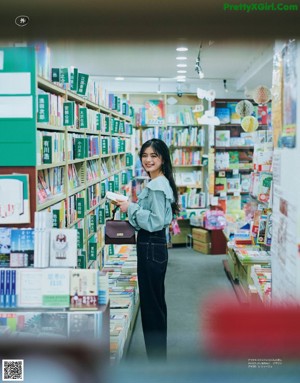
[(201, 235), (202, 247)]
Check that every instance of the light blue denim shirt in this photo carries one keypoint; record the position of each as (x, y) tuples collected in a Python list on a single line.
[(153, 211)]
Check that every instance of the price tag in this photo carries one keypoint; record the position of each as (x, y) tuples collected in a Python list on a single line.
[(235, 171)]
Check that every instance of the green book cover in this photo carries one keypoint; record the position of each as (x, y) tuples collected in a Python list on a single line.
[(124, 178), (107, 210), (47, 150), (55, 218), (111, 186), (82, 83), (80, 147), (92, 251), (103, 190), (101, 216), (107, 124), (131, 112), (104, 145), (116, 125), (74, 80), (122, 126), (55, 74), (79, 238), (81, 260), (64, 76), (112, 124), (130, 128), (129, 160), (68, 113), (116, 182), (83, 118), (93, 223), (98, 121), (111, 250), (123, 216), (43, 108), (80, 207)]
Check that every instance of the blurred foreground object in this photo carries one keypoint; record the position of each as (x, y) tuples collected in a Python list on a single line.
[(235, 331)]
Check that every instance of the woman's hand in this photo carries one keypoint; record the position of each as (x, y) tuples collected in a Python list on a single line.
[(123, 205)]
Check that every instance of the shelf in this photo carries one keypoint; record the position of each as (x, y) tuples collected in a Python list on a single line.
[(230, 170), (231, 193), (49, 86), (195, 186), (187, 166), (234, 147), (46, 126), (52, 201), (50, 166)]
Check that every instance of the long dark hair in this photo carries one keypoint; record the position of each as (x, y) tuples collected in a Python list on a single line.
[(161, 149)]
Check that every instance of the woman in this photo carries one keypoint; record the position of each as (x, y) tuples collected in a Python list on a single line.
[(157, 203)]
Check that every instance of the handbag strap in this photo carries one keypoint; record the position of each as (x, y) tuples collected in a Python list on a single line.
[(114, 212)]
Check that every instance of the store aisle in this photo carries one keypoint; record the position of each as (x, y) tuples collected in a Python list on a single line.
[(191, 278)]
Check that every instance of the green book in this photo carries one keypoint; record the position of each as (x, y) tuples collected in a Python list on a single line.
[(80, 147), (80, 207), (116, 182), (107, 210), (130, 128), (93, 223), (64, 76), (101, 216), (124, 178), (55, 218), (83, 118), (104, 145), (81, 260), (122, 126), (129, 159), (107, 124), (47, 150), (131, 112), (92, 247), (82, 83), (43, 108), (55, 74), (112, 124), (74, 80), (80, 238), (103, 190), (68, 113), (111, 250), (111, 186), (98, 121), (116, 125)]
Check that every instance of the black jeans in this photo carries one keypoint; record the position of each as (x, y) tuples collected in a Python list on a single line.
[(152, 259)]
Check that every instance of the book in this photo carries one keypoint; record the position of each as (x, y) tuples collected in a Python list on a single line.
[(114, 197), (5, 234), (63, 248), (84, 289), (222, 137), (14, 199), (56, 288), (22, 247)]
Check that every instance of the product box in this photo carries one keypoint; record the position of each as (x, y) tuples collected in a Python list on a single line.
[(201, 235), (202, 247)]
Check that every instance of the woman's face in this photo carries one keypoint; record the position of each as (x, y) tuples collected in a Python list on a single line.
[(151, 162)]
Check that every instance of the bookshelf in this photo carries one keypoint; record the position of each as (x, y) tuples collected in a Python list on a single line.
[(234, 155), (75, 149), (174, 120)]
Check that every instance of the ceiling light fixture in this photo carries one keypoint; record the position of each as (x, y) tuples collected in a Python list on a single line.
[(181, 71), (198, 67), (181, 65), (119, 78), (225, 85), (181, 58), (182, 49)]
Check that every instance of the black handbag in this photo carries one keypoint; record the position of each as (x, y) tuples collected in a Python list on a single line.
[(119, 232)]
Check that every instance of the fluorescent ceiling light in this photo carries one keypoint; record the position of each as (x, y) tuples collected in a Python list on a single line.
[(180, 79), (181, 58), (119, 78), (182, 65), (181, 71), (182, 49)]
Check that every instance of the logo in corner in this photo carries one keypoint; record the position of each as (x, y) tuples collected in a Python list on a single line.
[(22, 21)]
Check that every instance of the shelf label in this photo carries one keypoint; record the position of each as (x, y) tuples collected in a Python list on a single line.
[(79, 238), (80, 207), (93, 224), (47, 150), (79, 148), (68, 113), (111, 186), (116, 182), (74, 80), (43, 108), (83, 120), (82, 83), (92, 251), (101, 216), (64, 76), (235, 171), (98, 121), (103, 190), (124, 178)]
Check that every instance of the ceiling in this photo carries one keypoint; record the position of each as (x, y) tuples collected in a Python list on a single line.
[(137, 40), (244, 65)]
